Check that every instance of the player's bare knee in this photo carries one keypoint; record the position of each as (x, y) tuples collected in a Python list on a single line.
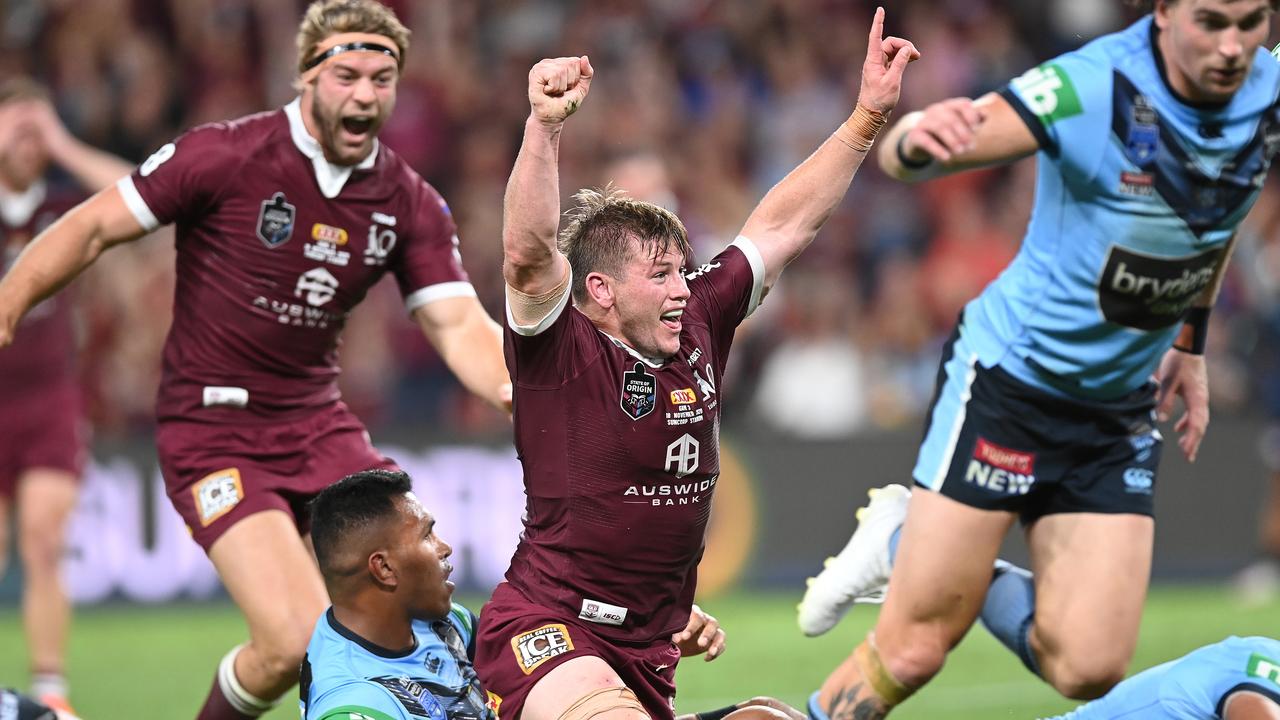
[(280, 654), (40, 548), (916, 662), (1085, 680)]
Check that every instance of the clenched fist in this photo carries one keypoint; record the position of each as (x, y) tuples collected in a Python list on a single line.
[(557, 88)]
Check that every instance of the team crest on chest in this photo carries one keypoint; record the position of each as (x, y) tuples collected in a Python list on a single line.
[(275, 221), (1143, 140), (639, 392)]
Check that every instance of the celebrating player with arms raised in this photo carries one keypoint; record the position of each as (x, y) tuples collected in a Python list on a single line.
[(284, 221), (43, 434), (617, 404)]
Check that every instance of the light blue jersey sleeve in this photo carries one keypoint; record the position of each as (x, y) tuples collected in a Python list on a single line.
[(1066, 103), (360, 700), (1193, 687)]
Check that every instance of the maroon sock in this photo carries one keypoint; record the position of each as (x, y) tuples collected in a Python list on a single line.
[(218, 707)]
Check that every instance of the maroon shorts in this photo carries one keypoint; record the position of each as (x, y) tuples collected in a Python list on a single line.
[(518, 643), (42, 430), (218, 474)]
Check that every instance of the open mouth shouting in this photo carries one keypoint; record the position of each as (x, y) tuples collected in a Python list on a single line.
[(357, 128), (671, 319)]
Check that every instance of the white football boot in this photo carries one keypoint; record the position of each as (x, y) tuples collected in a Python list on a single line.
[(860, 573)]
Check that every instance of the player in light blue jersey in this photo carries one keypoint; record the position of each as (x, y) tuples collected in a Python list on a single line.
[(393, 646), (1152, 144), (1236, 679)]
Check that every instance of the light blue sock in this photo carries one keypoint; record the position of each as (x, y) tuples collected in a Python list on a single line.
[(815, 711), (1009, 610)]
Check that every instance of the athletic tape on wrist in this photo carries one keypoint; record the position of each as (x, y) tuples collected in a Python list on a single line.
[(860, 130), (1194, 334)]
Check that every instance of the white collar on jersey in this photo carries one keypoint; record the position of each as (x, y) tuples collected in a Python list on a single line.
[(330, 177), (17, 208), (651, 362)]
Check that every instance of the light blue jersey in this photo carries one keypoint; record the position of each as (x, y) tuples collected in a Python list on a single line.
[(1193, 687), (1137, 194), (345, 677)]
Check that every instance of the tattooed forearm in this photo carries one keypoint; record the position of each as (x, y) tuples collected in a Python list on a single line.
[(848, 706)]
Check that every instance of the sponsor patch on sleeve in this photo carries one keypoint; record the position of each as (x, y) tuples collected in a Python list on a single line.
[(538, 646), (1261, 666), (1048, 92), (217, 493)]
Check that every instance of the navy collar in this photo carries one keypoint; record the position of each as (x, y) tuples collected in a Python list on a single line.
[(378, 650)]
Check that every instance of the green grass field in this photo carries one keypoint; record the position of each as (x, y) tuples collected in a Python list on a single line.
[(145, 663)]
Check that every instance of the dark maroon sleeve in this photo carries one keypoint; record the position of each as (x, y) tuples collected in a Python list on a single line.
[(555, 350), (184, 177), (725, 290), (429, 266)]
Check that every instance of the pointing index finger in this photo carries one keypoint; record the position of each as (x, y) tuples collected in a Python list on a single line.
[(876, 34)]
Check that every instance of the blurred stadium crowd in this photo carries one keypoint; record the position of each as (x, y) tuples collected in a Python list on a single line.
[(703, 105)]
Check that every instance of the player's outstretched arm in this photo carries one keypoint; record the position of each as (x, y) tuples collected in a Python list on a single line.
[(471, 344), (954, 135), (531, 208), (61, 252), (790, 215)]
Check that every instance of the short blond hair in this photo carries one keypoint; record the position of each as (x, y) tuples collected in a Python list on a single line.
[(604, 228), (330, 17)]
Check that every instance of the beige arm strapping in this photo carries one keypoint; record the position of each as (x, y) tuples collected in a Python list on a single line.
[(529, 310)]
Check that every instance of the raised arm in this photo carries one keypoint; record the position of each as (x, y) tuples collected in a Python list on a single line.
[(94, 169), (61, 252), (531, 264), (954, 135), (789, 216)]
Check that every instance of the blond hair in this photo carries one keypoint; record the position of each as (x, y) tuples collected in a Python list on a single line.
[(605, 225), (330, 17)]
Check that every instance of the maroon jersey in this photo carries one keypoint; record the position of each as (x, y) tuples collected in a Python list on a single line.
[(275, 247), (621, 456), (43, 351)]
